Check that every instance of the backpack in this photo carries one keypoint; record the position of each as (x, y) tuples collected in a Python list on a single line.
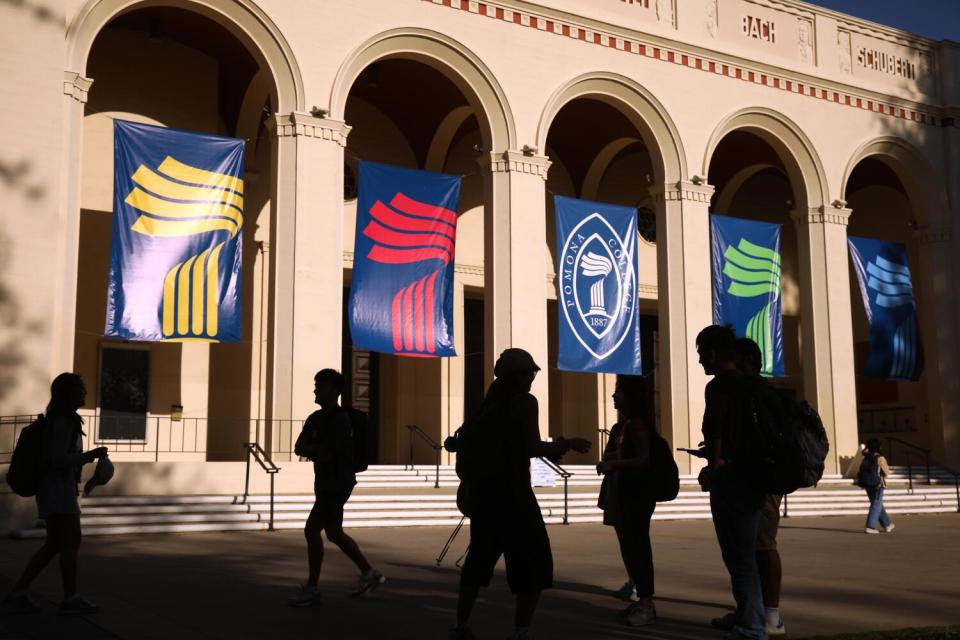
[(868, 476), (664, 476), (787, 443), (23, 476), (358, 424), (479, 445)]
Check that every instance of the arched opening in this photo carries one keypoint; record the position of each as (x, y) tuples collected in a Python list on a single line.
[(414, 114), (184, 67)]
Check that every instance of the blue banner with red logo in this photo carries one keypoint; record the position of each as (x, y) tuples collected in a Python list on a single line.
[(883, 272), (597, 287), (401, 297), (746, 285), (175, 255)]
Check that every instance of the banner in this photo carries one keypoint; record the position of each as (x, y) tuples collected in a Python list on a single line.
[(175, 256), (597, 287), (746, 285), (401, 298), (883, 273)]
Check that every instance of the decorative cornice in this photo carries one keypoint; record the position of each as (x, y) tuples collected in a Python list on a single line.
[(305, 125), (692, 59), (822, 215), (682, 191), (933, 235), (517, 162), (76, 86)]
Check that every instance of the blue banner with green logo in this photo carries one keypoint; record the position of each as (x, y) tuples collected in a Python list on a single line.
[(883, 273), (746, 285), (175, 256)]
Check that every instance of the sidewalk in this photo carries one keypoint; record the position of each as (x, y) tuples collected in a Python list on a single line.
[(235, 585)]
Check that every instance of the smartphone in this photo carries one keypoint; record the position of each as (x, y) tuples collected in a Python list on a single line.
[(699, 453)]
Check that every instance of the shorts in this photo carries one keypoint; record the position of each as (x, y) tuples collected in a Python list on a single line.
[(327, 511), (769, 521), (520, 536)]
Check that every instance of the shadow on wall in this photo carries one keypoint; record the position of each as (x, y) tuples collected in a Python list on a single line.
[(15, 179), (39, 11)]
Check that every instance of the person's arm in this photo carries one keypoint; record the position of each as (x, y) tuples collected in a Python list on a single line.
[(306, 445), (61, 436), (717, 408), (884, 467), (640, 443), (530, 427)]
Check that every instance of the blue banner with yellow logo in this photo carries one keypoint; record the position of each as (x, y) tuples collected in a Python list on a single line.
[(597, 287), (883, 273), (175, 256), (401, 296), (746, 285)]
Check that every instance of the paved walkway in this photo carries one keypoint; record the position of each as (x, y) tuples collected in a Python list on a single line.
[(235, 585)]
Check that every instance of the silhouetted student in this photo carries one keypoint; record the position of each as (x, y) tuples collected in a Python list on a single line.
[(327, 440), (62, 459), (872, 476), (750, 362), (627, 504), (505, 516), (734, 502)]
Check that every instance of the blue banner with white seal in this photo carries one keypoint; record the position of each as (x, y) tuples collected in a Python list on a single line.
[(401, 296), (883, 273), (597, 287), (175, 255), (746, 285)]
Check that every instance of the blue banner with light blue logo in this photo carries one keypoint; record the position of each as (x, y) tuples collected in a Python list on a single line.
[(175, 255), (883, 273), (401, 296), (597, 287), (746, 285)]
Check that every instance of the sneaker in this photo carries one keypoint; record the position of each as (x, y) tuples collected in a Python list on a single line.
[(77, 606), (19, 603), (307, 596), (369, 581), (726, 622), (870, 530), (461, 633), (778, 629), (626, 591), (641, 616), (889, 528)]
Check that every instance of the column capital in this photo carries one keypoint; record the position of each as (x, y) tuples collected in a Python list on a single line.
[(682, 191), (933, 235), (822, 215), (304, 125), (76, 86), (516, 162)]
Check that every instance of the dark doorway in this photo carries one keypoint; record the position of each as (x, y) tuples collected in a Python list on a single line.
[(361, 369), (473, 388), (124, 386)]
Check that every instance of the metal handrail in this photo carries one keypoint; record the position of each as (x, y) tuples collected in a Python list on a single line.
[(415, 430), (909, 445), (566, 475), (255, 451)]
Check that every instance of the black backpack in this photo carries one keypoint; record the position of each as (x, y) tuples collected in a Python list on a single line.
[(868, 476), (480, 447), (664, 477), (358, 424), (786, 444), (23, 476)]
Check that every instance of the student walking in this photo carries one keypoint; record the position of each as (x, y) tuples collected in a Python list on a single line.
[(626, 502), (505, 517), (61, 462), (734, 502), (327, 440), (872, 476)]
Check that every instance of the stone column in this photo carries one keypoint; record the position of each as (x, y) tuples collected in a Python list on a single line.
[(826, 327), (75, 91), (939, 323), (306, 297), (515, 264), (684, 308)]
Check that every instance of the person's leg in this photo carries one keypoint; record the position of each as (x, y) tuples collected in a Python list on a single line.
[(633, 534), (349, 547), (882, 516), (466, 598), (736, 518), (482, 555), (771, 575), (526, 606), (873, 515), (40, 559), (313, 532), (70, 538)]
